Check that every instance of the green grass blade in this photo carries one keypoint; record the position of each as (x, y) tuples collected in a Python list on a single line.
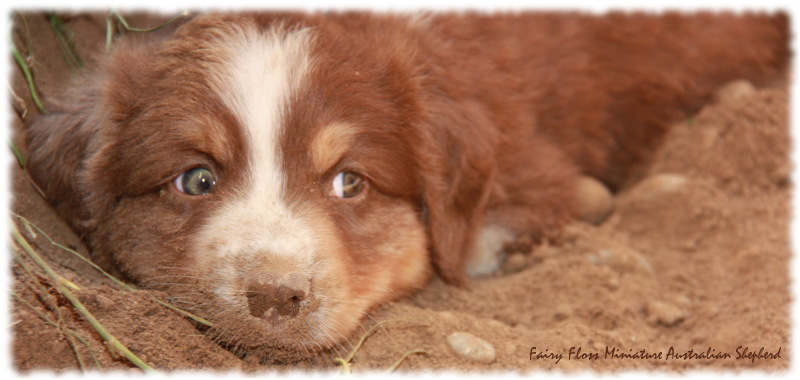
[(64, 37), (28, 77), (17, 154)]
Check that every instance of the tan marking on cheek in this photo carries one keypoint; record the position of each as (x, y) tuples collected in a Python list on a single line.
[(347, 291), (402, 246), (340, 312), (330, 144), (410, 268)]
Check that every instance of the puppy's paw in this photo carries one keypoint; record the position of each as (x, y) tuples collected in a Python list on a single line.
[(487, 254)]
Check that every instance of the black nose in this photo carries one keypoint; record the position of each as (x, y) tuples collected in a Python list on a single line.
[(270, 296)]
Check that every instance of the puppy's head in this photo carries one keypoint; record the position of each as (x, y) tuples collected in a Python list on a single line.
[(278, 176)]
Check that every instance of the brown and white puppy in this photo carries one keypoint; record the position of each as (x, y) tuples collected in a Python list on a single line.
[(282, 174)]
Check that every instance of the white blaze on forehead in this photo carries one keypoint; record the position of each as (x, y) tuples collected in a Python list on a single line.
[(259, 73)]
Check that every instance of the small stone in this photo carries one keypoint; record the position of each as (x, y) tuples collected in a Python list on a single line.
[(664, 313), (621, 260), (708, 136), (710, 310), (660, 184), (595, 201), (612, 283), (782, 174), (682, 301), (101, 302), (736, 90), (472, 348), (515, 262), (562, 313), (446, 316)]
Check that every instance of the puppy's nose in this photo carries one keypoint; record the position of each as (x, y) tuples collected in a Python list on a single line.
[(281, 292)]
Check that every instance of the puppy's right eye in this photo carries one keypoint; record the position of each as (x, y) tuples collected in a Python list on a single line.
[(197, 181)]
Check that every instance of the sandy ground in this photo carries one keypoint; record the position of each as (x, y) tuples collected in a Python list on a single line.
[(693, 265)]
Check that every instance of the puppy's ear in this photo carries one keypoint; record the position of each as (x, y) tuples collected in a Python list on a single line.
[(80, 129), (457, 162)]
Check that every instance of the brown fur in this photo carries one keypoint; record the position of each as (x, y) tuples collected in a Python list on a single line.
[(459, 121)]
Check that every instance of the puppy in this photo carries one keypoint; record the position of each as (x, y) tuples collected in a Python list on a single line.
[(282, 174)]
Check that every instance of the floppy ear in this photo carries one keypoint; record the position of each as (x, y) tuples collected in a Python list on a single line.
[(64, 145), (458, 166), (58, 145)]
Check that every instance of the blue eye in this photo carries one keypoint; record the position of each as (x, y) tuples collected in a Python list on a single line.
[(197, 181), (347, 184)]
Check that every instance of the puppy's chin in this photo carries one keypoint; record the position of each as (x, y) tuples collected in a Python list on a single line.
[(272, 340), (295, 339)]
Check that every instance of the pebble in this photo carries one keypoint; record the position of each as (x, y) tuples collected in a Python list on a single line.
[(664, 313), (561, 313), (472, 348), (660, 184), (711, 310), (612, 282), (105, 303), (446, 316), (708, 136), (514, 263), (595, 201), (782, 174), (621, 260), (736, 90)]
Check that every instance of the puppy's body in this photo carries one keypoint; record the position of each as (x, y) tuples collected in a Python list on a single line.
[(344, 157)]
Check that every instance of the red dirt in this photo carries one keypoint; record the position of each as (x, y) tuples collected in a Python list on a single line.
[(694, 257)]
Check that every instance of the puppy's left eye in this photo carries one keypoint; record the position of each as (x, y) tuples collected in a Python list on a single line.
[(197, 181), (348, 184)]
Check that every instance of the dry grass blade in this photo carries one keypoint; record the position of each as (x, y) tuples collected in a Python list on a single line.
[(344, 364), (183, 312), (19, 105), (26, 71), (62, 328), (122, 25), (67, 293), (402, 359), (110, 339), (39, 261), (45, 297), (28, 224), (36, 186)]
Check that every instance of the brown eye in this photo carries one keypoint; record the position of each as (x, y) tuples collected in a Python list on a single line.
[(197, 181), (347, 184)]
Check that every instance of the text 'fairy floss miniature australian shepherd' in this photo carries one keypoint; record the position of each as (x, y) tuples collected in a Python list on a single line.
[(281, 174)]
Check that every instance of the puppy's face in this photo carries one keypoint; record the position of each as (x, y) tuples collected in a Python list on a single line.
[(265, 179)]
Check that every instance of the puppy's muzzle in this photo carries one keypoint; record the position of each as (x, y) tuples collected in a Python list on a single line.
[(277, 297)]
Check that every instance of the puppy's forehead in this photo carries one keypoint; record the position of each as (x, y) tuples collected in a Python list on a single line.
[(259, 69), (256, 73)]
